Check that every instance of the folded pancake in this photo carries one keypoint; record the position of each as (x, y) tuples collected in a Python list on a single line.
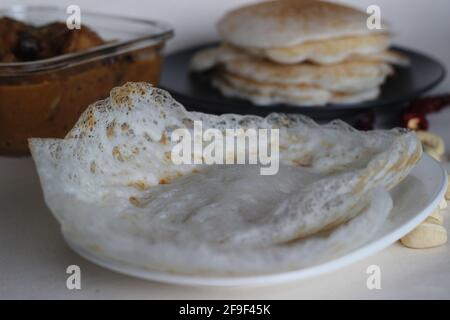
[(347, 77), (212, 57), (299, 52), (265, 94), (326, 52), (112, 185), (289, 23)]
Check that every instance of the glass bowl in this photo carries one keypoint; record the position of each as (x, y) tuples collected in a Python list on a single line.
[(45, 98)]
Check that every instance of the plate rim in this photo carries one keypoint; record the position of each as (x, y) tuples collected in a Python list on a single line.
[(282, 277)]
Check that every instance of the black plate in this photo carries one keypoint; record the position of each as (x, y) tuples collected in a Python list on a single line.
[(195, 92)]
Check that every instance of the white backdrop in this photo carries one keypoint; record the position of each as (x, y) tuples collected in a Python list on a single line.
[(419, 24)]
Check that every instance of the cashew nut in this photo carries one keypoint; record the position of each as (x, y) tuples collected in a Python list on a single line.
[(443, 204), (432, 144), (426, 235), (447, 195), (436, 217)]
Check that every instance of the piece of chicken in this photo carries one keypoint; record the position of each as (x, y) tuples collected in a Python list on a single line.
[(60, 40), (21, 42), (9, 34)]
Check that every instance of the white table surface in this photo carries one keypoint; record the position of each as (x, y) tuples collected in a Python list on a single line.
[(34, 257)]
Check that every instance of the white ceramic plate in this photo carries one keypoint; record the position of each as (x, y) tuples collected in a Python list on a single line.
[(414, 200)]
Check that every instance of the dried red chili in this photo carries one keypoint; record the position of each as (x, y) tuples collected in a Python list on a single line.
[(366, 121), (414, 117), (415, 121)]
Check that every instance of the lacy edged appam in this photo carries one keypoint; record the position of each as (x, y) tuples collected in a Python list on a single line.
[(112, 186)]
